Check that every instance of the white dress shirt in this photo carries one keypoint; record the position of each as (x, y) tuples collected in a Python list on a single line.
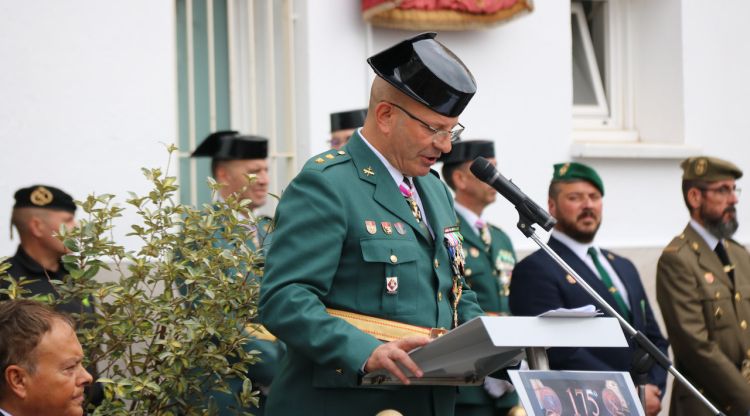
[(469, 215), (581, 250), (4, 413)]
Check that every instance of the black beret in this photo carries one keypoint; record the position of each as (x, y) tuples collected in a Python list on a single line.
[(44, 196), (230, 145), (428, 72), (468, 150), (346, 120)]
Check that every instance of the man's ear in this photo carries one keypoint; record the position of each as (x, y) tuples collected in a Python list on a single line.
[(17, 380), (222, 173), (384, 117), (459, 177), (37, 227), (552, 206), (694, 198)]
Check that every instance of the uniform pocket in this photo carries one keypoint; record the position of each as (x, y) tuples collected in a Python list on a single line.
[(395, 263), (718, 307)]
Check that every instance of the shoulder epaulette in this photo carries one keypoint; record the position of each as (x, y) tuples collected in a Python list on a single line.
[(676, 244), (731, 241), (327, 159)]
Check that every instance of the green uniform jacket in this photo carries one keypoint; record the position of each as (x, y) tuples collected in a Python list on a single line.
[(262, 372), (488, 273), (706, 318), (322, 255)]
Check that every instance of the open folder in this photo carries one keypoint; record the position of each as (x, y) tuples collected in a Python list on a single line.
[(486, 344)]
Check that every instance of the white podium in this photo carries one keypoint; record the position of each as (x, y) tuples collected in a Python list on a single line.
[(478, 348)]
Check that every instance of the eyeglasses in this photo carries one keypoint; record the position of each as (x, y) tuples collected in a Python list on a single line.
[(454, 134), (724, 191)]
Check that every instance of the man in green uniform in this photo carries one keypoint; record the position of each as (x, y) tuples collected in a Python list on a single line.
[(366, 259), (489, 263), (238, 162), (703, 289)]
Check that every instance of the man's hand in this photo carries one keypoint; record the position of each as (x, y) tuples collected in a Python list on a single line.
[(653, 400), (387, 355)]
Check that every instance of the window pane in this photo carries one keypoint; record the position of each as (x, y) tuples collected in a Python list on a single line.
[(583, 87)]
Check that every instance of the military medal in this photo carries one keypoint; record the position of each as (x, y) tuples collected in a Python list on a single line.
[(453, 239), (371, 227), (391, 285), (399, 226), (386, 227)]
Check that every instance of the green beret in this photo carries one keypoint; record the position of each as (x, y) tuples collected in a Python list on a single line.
[(574, 171), (44, 196), (704, 168)]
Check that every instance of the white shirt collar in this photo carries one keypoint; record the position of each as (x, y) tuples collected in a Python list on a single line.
[(468, 215), (709, 238), (397, 176), (4, 413), (580, 249)]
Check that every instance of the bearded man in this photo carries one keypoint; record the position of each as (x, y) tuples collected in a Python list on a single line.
[(703, 289), (539, 284)]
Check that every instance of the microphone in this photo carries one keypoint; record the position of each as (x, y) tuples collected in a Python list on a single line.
[(527, 208)]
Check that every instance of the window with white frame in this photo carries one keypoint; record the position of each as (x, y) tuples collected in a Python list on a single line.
[(235, 67), (601, 99)]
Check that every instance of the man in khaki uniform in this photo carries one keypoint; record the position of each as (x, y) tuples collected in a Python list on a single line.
[(703, 289)]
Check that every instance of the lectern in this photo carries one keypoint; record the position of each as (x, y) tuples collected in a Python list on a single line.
[(486, 344)]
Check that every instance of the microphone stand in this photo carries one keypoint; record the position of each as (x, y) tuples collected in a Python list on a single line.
[(525, 224)]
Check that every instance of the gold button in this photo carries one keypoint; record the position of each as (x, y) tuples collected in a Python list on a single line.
[(394, 259), (437, 263), (467, 272), (341, 152), (743, 324), (717, 295), (737, 297), (440, 298)]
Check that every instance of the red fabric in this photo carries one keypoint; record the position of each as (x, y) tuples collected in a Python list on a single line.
[(469, 6)]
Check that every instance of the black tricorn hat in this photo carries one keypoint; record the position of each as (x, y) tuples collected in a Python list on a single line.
[(346, 120), (230, 145), (468, 150), (428, 72), (44, 196)]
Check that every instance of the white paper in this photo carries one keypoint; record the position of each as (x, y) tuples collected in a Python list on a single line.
[(586, 311)]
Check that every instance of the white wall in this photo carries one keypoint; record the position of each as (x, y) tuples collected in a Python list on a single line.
[(88, 92), (523, 71)]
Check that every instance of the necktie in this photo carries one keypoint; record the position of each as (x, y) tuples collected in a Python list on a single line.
[(621, 305), (406, 191), (484, 231), (724, 257)]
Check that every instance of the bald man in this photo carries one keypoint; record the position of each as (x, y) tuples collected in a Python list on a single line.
[(366, 259)]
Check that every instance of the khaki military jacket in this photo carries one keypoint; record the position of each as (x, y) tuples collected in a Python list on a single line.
[(707, 321), (346, 239)]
